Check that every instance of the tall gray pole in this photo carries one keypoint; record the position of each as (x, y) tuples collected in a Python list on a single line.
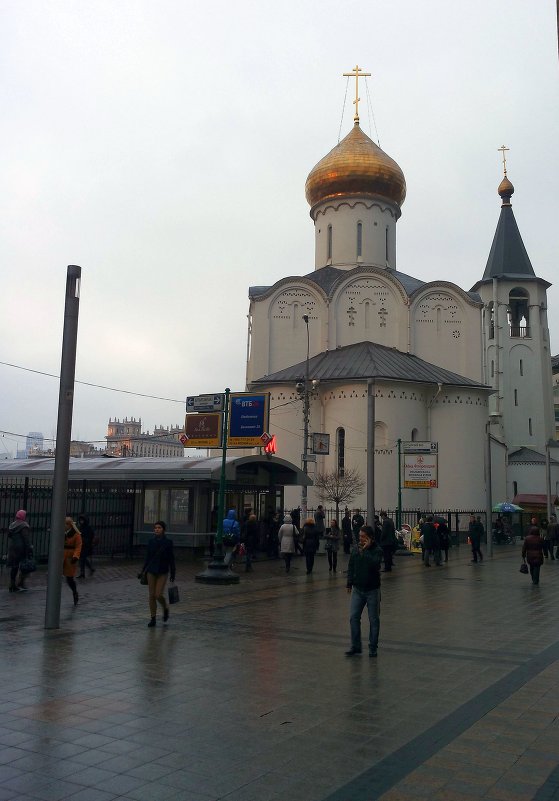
[(548, 481), (304, 490), (371, 451), (63, 435), (488, 491)]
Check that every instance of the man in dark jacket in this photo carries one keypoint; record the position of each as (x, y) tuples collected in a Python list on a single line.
[(356, 522), (363, 582), (388, 541), (476, 532), (431, 544)]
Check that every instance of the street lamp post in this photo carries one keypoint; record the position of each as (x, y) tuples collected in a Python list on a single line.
[(305, 425)]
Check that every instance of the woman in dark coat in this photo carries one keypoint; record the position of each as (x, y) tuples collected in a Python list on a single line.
[(88, 538), (18, 549), (532, 552), (250, 539), (310, 543), (444, 538), (159, 562)]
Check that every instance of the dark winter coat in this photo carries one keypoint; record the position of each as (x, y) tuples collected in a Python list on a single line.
[(444, 536), (532, 547), (88, 535), (332, 538), (252, 534), (319, 521), (18, 546), (388, 534), (363, 570), (310, 538), (431, 541), (476, 532), (356, 522), (160, 556)]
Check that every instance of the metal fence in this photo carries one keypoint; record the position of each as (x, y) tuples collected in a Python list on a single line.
[(110, 510)]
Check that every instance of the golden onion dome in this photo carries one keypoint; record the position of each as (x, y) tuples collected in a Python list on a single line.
[(356, 166), (506, 189)]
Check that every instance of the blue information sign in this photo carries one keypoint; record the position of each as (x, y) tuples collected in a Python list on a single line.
[(248, 419)]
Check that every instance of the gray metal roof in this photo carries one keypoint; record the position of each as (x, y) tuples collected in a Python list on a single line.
[(528, 456), (327, 278), (508, 254), (368, 360), (206, 468)]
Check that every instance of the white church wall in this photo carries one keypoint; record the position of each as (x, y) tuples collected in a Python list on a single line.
[(498, 472), (339, 245), (287, 337), (446, 331), (458, 418), (368, 308)]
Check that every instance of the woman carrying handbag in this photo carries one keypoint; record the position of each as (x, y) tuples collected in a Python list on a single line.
[(159, 562)]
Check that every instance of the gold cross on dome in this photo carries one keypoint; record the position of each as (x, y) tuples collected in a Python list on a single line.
[(503, 150), (358, 74)]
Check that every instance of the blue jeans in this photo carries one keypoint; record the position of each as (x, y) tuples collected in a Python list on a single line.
[(359, 600)]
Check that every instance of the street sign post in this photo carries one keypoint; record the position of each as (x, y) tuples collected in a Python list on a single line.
[(205, 403)]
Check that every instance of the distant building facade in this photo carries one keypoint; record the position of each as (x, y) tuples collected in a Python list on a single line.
[(125, 438)]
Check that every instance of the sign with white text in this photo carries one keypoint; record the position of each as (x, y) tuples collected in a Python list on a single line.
[(203, 430), (248, 419), (420, 470)]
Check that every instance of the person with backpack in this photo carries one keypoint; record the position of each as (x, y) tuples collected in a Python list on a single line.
[(231, 536)]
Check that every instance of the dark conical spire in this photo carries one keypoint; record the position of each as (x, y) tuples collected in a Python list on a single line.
[(508, 256)]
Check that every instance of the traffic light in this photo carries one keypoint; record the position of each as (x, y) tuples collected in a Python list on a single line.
[(270, 446)]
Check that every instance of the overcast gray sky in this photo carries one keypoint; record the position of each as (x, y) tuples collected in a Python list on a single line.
[(164, 147)]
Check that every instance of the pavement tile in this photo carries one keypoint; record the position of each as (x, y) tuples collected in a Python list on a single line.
[(183, 715)]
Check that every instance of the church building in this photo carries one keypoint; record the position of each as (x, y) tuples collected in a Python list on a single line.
[(442, 364)]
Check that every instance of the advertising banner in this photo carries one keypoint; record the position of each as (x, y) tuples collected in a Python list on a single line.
[(248, 419), (420, 471), (202, 430)]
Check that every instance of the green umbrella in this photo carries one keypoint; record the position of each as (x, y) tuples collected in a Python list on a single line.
[(507, 506)]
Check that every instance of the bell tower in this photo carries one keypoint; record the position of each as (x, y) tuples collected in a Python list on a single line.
[(516, 349)]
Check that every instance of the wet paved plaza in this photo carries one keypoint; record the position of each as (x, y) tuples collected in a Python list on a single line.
[(246, 694)]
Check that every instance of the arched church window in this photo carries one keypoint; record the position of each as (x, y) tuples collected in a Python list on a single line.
[(518, 313), (381, 435), (521, 367), (359, 240), (414, 433), (386, 244), (530, 426), (514, 489), (329, 242), (516, 397), (491, 312), (492, 368), (340, 448)]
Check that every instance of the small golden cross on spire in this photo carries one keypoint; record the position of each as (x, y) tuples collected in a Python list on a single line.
[(503, 150), (358, 74)]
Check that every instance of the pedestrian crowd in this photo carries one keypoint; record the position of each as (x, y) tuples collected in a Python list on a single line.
[(370, 548)]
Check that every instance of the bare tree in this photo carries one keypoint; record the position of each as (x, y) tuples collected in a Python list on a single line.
[(339, 488)]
